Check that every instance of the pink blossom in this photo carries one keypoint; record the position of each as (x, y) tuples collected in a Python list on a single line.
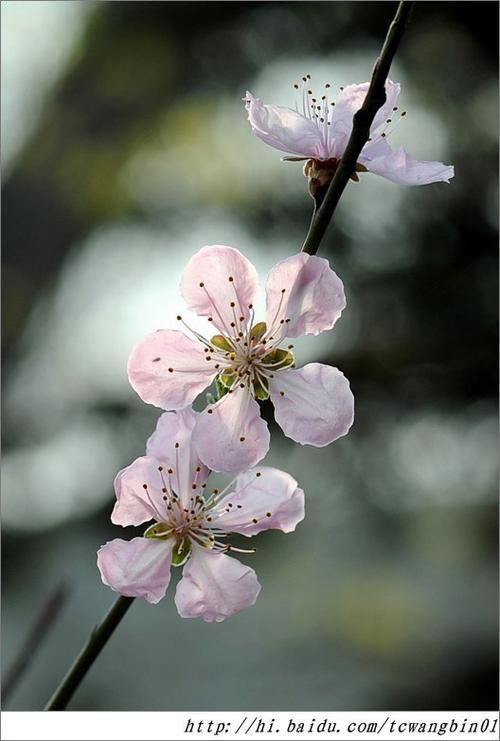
[(191, 525), (321, 130), (313, 405)]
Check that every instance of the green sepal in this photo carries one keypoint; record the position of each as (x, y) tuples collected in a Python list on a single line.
[(258, 331), (218, 340), (181, 551), (279, 358), (261, 390), (158, 530), (227, 380), (221, 387)]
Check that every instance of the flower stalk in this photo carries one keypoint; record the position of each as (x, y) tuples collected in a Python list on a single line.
[(96, 642), (363, 119)]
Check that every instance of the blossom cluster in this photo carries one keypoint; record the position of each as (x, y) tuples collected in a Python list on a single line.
[(247, 359)]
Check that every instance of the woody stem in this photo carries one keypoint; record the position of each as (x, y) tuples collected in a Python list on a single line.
[(363, 119), (95, 643)]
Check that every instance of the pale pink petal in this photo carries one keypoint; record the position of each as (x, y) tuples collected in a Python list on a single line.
[(169, 370), (136, 568), (219, 282), (231, 435), (215, 586), (349, 102), (285, 129), (400, 167), (263, 498), (313, 405), (134, 504), (304, 290), (378, 147), (172, 445)]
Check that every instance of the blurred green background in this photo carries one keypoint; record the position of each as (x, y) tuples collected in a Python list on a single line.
[(125, 149)]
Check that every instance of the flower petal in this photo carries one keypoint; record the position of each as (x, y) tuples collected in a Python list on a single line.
[(216, 277), (231, 435), (264, 498), (285, 129), (349, 102), (401, 168), (169, 370), (172, 445), (136, 568), (134, 504), (313, 405), (215, 586), (304, 290)]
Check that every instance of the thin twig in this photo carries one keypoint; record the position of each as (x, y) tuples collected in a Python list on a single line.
[(363, 119), (39, 630), (96, 642)]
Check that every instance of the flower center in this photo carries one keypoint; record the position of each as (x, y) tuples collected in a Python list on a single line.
[(189, 520), (251, 359)]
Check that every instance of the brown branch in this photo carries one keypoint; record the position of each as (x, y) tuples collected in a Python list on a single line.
[(43, 623)]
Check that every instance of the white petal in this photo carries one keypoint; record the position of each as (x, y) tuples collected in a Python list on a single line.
[(215, 586), (263, 498), (171, 444), (285, 129), (231, 435), (136, 568), (313, 405), (400, 167), (304, 290), (169, 370), (219, 282)]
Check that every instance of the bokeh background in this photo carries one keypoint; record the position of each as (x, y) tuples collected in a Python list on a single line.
[(125, 148)]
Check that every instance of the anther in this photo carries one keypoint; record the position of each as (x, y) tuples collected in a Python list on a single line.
[(250, 306), (170, 370), (160, 468), (258, 473), (242, 439), (155, 360), (176, 445), (164, 490), (210, 411), (232, 304), (268, 514), (403, 113), (170, 470), (144, 486), (230, 279), (179, 318), (201, 285), (295, 87), (254, 521), (283, 290), (193, 486), (198, 469), (165, 499), (282, 393), (239, 506)]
